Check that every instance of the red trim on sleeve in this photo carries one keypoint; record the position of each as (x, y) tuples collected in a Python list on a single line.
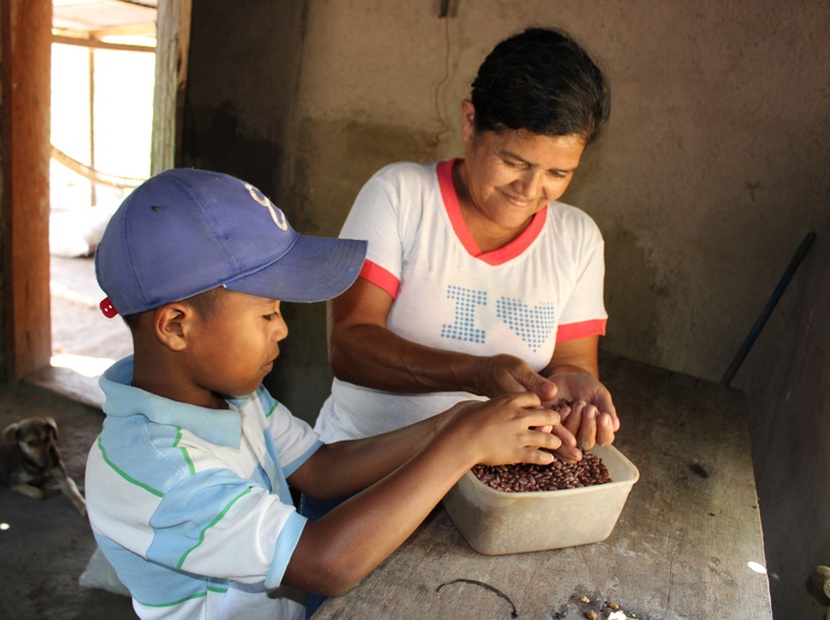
[(572, 331), (379, 276)]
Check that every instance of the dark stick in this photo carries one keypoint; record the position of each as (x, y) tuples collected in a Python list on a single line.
[(765, 314), (513, 612)]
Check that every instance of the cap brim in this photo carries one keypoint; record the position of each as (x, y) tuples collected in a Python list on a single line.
[(314, 269)]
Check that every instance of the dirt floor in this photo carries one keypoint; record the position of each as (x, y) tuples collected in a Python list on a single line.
[(84, 341), (45, 544), (78, 326)]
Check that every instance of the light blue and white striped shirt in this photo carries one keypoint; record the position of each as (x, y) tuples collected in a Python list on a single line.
[(191, 505)]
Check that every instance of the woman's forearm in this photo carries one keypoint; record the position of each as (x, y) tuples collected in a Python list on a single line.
[(373, 356)]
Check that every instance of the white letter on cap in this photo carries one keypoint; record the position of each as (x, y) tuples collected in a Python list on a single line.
[(279, 220)]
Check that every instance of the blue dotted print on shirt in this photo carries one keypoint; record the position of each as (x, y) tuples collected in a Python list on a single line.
[(533, 325), (463, 329)]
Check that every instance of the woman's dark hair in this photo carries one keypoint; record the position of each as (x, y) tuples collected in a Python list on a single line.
[(542, 81)]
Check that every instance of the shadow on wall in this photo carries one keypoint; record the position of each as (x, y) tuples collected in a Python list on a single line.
[(785, 380), (227, 146), (329, 149), (632, 329), (301, 378)]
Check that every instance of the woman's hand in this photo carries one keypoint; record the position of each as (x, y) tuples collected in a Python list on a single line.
[(586, 409), (504, 374)]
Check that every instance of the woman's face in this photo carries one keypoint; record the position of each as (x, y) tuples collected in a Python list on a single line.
[(510, 175)]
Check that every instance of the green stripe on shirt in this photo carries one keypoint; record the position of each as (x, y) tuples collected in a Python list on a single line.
[(185, 453), (210, 525), (124, 475)]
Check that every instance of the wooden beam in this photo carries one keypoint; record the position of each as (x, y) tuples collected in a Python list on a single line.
[(101, 45), (172, 47), (26, 77)]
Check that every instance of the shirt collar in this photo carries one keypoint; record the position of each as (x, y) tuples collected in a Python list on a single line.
[(219, 426)]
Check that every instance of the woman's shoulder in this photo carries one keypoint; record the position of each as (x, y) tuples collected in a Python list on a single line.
[(407, 171), (566, 212), (567, 219)]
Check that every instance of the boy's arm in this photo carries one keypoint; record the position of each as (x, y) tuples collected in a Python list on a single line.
[(342, 547), (343, 468)]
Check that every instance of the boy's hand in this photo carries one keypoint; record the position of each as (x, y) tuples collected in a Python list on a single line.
[(504, 430)]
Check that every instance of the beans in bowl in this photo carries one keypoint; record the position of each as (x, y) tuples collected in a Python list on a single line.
[(526, 477)]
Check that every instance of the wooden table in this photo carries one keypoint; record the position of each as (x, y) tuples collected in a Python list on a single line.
[(682, 547)]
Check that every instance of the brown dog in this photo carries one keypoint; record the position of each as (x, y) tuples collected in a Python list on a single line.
[(31, 458)]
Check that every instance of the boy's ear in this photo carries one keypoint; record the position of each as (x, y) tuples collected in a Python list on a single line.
[(170, 324)]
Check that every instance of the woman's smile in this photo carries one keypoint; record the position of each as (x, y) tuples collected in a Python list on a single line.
[(507, 176)]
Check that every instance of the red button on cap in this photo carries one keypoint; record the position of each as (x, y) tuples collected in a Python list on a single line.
[(107, 308)]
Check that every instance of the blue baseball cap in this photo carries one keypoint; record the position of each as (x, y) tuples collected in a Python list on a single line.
[(184, 231)]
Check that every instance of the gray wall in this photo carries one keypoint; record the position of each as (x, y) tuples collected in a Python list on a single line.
[(786, 379), (712, 170)]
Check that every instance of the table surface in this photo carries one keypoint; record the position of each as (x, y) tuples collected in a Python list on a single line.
[(683, 546)]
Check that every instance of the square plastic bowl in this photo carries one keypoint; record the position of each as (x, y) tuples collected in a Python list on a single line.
[(500, 522)]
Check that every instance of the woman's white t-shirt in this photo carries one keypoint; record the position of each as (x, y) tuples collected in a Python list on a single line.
[(545, 286)]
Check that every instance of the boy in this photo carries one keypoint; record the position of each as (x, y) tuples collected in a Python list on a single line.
[(187, 485)]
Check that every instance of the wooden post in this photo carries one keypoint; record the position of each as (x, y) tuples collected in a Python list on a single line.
[(93, 188), (172, 44), (26, 88)]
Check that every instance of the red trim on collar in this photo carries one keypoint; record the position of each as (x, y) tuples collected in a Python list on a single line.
[(495, 257)]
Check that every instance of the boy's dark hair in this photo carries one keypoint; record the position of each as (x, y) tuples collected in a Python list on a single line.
[(203, 303), (541, 81)]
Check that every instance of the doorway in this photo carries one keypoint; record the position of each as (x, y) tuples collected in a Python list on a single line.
[(117, 71), (103, 70)]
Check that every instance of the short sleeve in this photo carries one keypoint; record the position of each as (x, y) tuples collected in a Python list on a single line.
[(375, 217), (293, 438), (584, 313)]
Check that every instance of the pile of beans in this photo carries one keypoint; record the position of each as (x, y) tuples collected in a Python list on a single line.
[(524, 477)]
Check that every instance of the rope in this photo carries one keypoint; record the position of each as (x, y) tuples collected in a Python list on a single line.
[(436, 139), (92, 174)]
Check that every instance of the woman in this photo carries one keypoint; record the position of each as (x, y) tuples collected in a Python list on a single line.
[(477, 281)]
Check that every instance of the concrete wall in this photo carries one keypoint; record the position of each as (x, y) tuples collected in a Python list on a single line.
[(712, 170), (785, 379)]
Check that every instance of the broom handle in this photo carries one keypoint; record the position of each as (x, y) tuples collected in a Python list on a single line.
[(799, 255)]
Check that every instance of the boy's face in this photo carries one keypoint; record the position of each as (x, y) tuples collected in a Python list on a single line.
[(236, 344)]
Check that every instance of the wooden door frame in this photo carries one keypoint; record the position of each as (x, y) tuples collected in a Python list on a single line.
[(25, 52), (26, 90)]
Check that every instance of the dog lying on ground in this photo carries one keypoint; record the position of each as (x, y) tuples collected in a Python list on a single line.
[(30, 458)]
